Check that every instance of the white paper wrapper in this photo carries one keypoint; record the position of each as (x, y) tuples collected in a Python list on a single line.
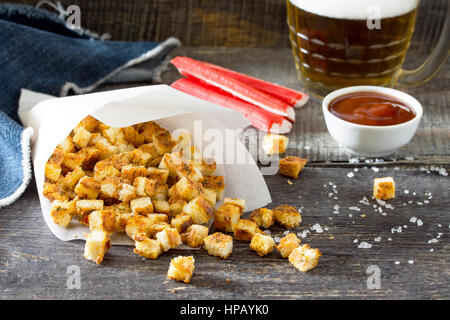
[(53, 119)]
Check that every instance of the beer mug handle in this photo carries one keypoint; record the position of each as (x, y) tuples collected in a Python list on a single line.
[(433, 63)]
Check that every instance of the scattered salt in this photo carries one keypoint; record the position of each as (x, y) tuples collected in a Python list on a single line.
[(419, 223), (350, 174), (364, 245), (317, 228)]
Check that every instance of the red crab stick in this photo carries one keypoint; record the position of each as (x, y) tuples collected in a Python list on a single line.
[(196, 69), (259, 118), (292, 97)]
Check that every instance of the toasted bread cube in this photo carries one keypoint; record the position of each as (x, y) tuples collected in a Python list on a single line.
[(161, 206), (72, 160), (263, 217), (163, 142), (130, 172), (176, 206), (67, 145), (181, 269), (384, 188), (211, 196), (140, 157), (216, 183), (126, 192), (262, 244), (114, 135), (125, 148), (189, 171), (110, 187), (62, 212), (169, 239), (148, 129), (275, 144), (219, 245), (170, 162), (181, 222), (160, 193), (71, 179), (102, 144), (52, 171), (288, 244), (160, 175), (103, 172), (146, 247), (207, 166), (140, 184), (188, 189), (102, 220), (132, 136), (142, 206), (240, 203), (81, 137), (195, 235), (158, 227), (90, 157), (158, 218), (84, 207), (89, 123), (291, 166), (245, 230), (97, 244), (138, 224), (287, 216), (200, 210), (123, 207), (87, 187), (304, 258), (54, 192), (225, 216)]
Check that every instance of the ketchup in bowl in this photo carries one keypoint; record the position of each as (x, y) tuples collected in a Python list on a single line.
[(371, 109)]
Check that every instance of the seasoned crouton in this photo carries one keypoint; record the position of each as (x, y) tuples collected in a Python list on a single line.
[(160, 175), (102, 144), (291, 166), (181, 222), (90, 156), (114, 135), (62, 212), (89, 123), (181, 269), (176, 206), (160, 193), (126, 192), (210, 195), (97, 244), (124, 148), (169, 239), (140, 184), (188, 189), (225, 216), (123, 207), (199, 209), (52, 171), (161, 206), (102, 220), (304, 258), (71, 179), (216, 183), (142, 206), (121, 220), (262, 244), (146, 247), (158, 227), (147, 129), (110, 187), (120, 160), (219, 245), (189, 170), (130, 172), (104, 171), (163, 142), (84, 207), (240, 203), (195, 235), (140, 157), (263, 217), (132, 136), (155, 218), (245, 230), (72, 160), (170, 162), (274, 143), (207, 166), (54, 192), (67, 145), (87, 188), (81, 137), (384, 188), (287, 216), (138, 224), (288, 244)]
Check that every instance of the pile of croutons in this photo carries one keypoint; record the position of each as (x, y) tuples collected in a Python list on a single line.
[(159, 191)]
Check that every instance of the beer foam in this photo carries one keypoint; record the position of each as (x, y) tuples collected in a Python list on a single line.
[(356, 9)]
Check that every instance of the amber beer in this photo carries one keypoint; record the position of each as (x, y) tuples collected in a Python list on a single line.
[(340, 43)]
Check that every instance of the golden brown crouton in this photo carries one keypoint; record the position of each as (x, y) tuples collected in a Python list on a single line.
[(110, 187), (384, 188), (67, 145), (102, 144), (132, 136), (158, 218), (163, 142), (52, 171), (160, 175), (141, 157), (161, 206), (72, 160), (87, 187), (176, 206), (97, 244), (170, 162), (291, 166), (62, 212), (207, 166), (147, 129), (142, 206), (126, 192), (140, 184), (181, 269), (226, 216), (263, 217), (219, 245), (181, 222), (103, 171), (89, 123), (169, 238), (288, 244), (54, 192), (275, 144), (245, 230), (71, 179), (195, 235), (102, 220), (130, 172), (90, 156), (287, 216), (158, 227), (188, 189), (114, 135), (146, 247), (81, 137), (240, 203), (199, 209), (262, 244), (210, 195), (138, 224), (190, 171), (304, 258), (216, 183), (84, 207)]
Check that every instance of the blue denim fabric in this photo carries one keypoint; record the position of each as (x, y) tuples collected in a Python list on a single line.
[(39, 52)]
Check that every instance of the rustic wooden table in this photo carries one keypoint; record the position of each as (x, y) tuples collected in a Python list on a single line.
[(413, 259)]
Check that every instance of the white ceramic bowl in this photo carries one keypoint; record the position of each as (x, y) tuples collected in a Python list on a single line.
[(371, 141)]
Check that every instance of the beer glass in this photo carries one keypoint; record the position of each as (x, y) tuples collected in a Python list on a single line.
[(340, 43)]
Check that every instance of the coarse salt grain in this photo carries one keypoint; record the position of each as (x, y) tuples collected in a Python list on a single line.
[(413, 219), (377, 239), (419, 222), (317, 228), (410, 261), (350, 174), (364, 245)]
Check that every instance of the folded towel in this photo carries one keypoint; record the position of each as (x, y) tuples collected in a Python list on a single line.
[(40, 52)]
